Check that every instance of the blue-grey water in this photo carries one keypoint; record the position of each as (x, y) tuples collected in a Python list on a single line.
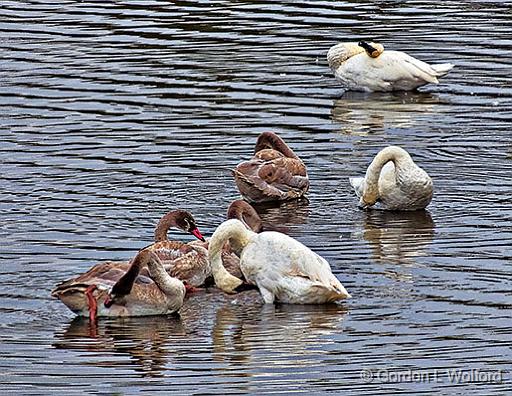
[(112, 113)]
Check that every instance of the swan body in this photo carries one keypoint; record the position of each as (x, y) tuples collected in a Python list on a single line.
[(274, 173), (368, 67), (282, 268), (133, 294), (178, 259), (395, 181)]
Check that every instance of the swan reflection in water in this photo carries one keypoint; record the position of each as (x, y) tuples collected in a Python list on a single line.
[(398, 237), (286, 214), (212, 327), (360, 113), (144, 339)]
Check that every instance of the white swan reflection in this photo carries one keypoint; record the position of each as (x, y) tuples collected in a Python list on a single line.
[(398, 237), (228, 332), (362, 113)]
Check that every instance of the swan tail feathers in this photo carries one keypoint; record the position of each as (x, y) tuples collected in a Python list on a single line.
[(357, 184), (443, 68)]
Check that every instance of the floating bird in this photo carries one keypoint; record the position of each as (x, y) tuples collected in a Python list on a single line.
[(274, 173), (395, 181), (368, 67), (156, 293), (282, 268), (77, 292)]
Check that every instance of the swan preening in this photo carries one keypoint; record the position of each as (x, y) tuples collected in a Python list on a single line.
[(186, 262), (84, 291), (133, 294), (282, 268), (274, 173), (395, 181), (368, 67)]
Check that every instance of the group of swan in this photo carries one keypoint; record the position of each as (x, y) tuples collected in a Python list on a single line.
[(238, 253), (120, 288), (155, 281)]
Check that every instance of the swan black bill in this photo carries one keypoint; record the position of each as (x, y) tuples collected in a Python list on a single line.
[(367, 47)]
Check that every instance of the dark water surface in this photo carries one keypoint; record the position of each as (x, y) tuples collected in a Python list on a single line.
[(112, 113)]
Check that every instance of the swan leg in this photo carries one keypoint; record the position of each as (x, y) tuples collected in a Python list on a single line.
[(267, 295), (91, 302), (191, 289)]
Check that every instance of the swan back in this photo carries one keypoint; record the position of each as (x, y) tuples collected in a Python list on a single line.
[(395, 181), (274, 173), (339, 53), (289, 271)]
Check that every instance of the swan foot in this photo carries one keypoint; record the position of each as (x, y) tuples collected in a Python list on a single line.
[(191, 289), (91, 302)]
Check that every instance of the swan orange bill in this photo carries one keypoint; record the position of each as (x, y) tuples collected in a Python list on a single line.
[(197, 234)]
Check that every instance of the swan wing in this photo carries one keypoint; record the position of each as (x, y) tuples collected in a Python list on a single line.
[(276, 256), (408, 67), (103, 275), (192, 267), (315, 268), (281, 178), (285, 174), (170, 250)]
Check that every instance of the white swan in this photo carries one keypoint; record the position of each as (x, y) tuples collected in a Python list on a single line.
[(283, 269), (395, 181), (367, 67)]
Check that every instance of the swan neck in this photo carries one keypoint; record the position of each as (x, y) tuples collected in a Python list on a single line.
[(166, 222), (244, 212), (169, 285), (124, 285), (271, 140), (239, 236), (400, 158)]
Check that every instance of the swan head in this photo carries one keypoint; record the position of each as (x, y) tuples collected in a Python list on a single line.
[(186, 222), (372, 49), (228, 284), (367, 200)]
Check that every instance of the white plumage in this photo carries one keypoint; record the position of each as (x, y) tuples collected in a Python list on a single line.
[(395, 181), (283, 269), (368, 67)]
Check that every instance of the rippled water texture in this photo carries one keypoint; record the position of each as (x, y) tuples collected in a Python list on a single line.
[(112, 113)]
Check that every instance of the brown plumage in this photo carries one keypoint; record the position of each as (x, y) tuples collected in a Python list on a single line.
[(176, 257), (244, 212), (133, 294), (196, 271), (274, 173)]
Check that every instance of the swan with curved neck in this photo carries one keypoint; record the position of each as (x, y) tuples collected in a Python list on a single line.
[(282, 268), (77, 293), (128, 298), (395, 181), (241, 210), (368, 67), (176, 219), (274, 173)]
